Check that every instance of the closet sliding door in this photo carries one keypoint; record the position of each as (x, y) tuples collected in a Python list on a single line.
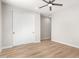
[(23, 27)]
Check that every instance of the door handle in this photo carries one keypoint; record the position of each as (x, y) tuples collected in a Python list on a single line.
[(13, 32), (33, 32)]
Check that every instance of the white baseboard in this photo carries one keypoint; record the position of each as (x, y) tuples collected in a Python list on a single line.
[(26, 43), (45, 38), (18, 45), (7, 47), (66, 43), (36, 41)]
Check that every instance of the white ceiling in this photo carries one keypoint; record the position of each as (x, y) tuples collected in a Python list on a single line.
[(34, 4)]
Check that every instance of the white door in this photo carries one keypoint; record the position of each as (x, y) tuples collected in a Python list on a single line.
[(23, 27)]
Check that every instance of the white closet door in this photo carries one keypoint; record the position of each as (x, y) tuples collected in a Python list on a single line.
[(23, 27)]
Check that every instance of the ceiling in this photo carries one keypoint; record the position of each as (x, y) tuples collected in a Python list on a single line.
[(33, 5)]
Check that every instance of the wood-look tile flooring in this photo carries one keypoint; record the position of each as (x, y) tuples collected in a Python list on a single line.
[(45, 49)]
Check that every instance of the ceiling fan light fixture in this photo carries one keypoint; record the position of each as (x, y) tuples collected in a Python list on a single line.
[(50, 5)]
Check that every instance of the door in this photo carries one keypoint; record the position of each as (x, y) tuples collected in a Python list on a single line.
[(23, 27), (45, 28)]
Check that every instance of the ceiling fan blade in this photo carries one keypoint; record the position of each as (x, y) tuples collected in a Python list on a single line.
[(57, 4), (53, 0), (50, 8), (43, 6), (45, 1)]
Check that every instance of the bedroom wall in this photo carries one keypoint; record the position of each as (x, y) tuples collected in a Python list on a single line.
[(24, 19), (6, 26), (45, 28), (0, 25), (65, 26)]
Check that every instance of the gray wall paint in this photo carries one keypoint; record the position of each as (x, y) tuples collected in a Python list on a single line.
[(65, 25), (0, 26), (45, 28)]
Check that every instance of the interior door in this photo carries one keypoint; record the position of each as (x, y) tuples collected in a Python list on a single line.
[(23, 27)]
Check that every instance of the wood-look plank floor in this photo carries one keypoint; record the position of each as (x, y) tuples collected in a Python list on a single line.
[(45, 49)]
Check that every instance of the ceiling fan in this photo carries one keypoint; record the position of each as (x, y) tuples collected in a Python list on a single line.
[(50, 3)]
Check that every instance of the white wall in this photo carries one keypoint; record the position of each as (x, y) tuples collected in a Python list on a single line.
[(0, 26), (45, 28), (6, 26), (65, 26), (26, 26)]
